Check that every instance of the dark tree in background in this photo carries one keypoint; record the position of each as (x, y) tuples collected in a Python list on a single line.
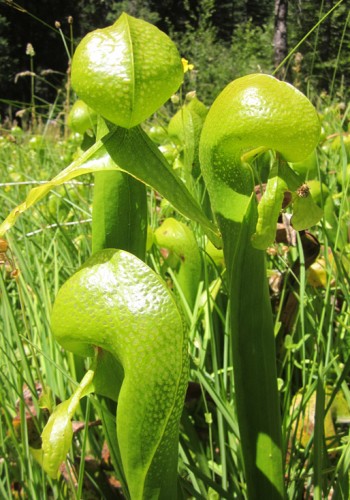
[(280, 35), (28, 21), (224, 39)]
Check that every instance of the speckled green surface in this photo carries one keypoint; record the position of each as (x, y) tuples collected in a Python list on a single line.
[(126, 71), (259, 110), (119, 304), (251, 112)]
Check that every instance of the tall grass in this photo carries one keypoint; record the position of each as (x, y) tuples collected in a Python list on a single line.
[(43, 251)]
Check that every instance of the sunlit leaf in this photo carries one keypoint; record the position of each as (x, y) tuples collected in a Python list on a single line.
[(58, 432), (305, 213), (56, 439), (133, 152), (268, 210)]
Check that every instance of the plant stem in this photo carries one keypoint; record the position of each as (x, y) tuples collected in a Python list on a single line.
[(254, 362), (119, 210), (32, 92), (119, 213)]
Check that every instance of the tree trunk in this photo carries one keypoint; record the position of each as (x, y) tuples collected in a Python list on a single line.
[(280, 36)]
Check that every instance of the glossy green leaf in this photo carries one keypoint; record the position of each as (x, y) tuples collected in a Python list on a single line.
[(105, 379), (306, 212), (254, 361), (126, 71), (269, 209), (136, 154), (56, 439), (58, 432), (108, 376), (259, 110), (117, 303)]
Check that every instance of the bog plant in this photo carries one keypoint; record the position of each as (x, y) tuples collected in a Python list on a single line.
[(119, 312)]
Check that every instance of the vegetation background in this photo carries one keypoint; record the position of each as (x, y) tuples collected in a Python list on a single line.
[(223, 39)]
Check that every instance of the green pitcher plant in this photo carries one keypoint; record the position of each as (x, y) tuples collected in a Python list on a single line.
[(252, 114), (115, 309), (116, 303)]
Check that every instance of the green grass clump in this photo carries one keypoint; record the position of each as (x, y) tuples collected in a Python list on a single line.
[(43, 251)]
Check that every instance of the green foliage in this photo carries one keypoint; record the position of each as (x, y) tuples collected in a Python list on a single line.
[(150, 344), (323, 56), (200, 45), (184, 256), (246, 48), (251, 48), (206, 464), (268, 367), (236, 38), (142, 9), (135, 83), (254, 112), (58, 432)]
